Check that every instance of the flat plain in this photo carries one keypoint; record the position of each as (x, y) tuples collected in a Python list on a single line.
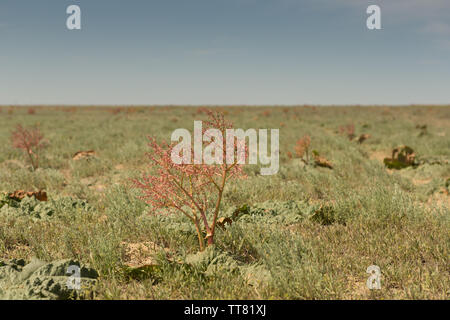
[(308, 232)]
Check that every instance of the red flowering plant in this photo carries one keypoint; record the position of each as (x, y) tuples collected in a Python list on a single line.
[(348, 130), (31, 141), (193, 189)]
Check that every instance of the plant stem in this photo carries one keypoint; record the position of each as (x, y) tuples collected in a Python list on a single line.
[(199, 235), (31, 160), (216, 210)]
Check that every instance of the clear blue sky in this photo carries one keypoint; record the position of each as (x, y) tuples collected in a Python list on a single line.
[(224, 52)]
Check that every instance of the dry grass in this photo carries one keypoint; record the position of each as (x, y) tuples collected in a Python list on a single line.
[(396, 219)]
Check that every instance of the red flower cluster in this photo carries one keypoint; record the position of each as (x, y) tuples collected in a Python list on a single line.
[(195, 190)]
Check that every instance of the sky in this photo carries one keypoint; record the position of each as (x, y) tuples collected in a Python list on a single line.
[(225, 52)]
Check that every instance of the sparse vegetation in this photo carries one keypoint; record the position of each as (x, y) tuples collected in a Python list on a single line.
[(302, 148), (348, 130), (31, 141), (305, 233)]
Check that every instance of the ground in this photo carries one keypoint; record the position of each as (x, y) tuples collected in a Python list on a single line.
[(310, 232)]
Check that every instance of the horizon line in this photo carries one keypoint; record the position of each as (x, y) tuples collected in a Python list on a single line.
[(225, 105)]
